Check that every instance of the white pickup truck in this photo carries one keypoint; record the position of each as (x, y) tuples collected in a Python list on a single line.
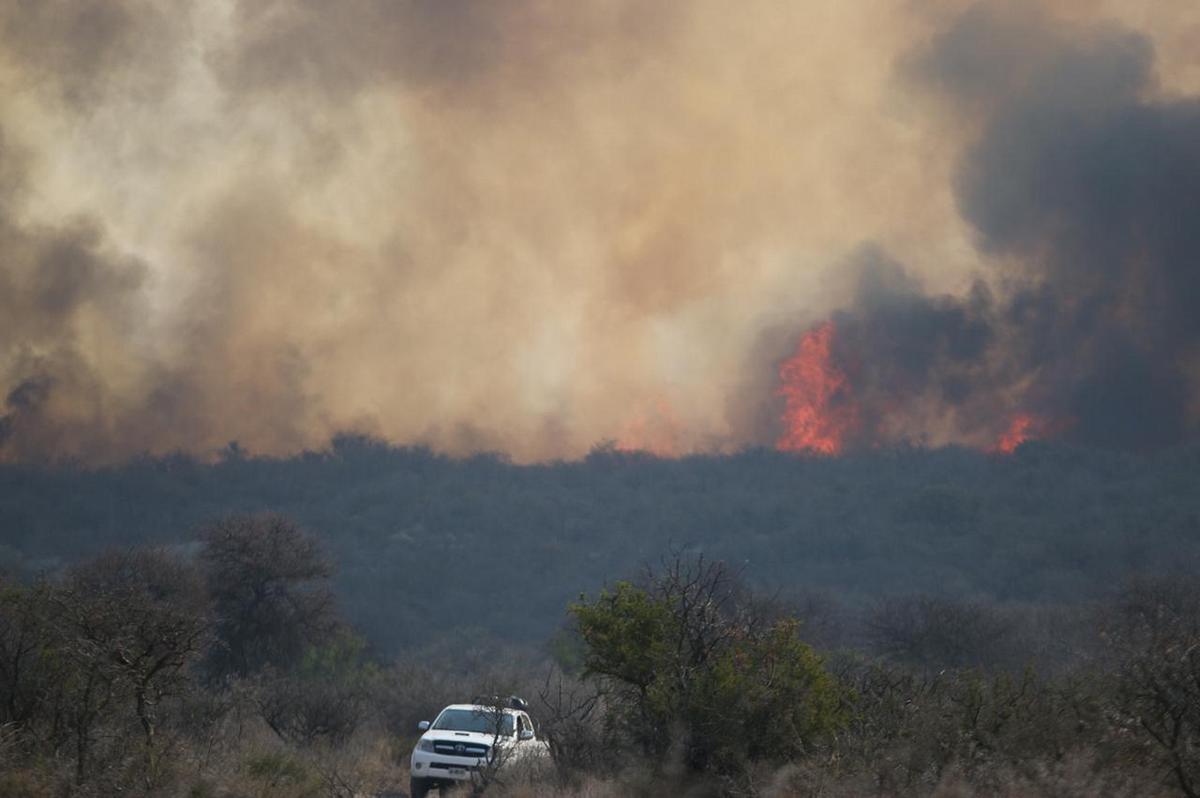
[(473, 741)]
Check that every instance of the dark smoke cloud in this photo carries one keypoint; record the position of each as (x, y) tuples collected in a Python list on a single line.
[(532, 226), (1093, 183), (62, 291), (1084, 186), (905, 350), (22, 401)]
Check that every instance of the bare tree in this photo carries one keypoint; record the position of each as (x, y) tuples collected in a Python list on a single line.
[(269, 583), (495, 714), (25, 636), (132, 623), (571, 724), (1156, 638), (302, 711), (709, 609), (936, 632)]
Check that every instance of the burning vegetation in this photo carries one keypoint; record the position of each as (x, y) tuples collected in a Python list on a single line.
[(822, 414), (1021, 430), (819, 413), (1080, 188), (604, 236)]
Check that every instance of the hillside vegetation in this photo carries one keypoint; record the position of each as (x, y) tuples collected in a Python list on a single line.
[(426, 545)]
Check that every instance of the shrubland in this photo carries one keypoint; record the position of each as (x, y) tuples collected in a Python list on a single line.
[(229, 670)]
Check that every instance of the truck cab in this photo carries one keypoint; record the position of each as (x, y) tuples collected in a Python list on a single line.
[(471, 742)]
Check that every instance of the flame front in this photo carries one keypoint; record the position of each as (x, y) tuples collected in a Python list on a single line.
[(1027, 427), (656, 431), (1019, 431), (818, 412)]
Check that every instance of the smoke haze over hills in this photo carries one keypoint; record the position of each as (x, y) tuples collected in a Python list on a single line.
[(528, 226)]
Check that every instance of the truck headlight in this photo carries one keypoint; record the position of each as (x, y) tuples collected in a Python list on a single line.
[(426, 745)]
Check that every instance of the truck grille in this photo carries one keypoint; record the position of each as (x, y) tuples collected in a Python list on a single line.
[(456, 748)]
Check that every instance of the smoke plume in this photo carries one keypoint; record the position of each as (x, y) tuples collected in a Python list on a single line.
[(531, 226), (1082, 186)]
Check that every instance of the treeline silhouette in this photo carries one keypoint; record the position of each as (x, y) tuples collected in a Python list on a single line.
[(427, 545)]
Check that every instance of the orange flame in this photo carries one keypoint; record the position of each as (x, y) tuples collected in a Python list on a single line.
[(1023, 427), (817, 415), (657, 432)]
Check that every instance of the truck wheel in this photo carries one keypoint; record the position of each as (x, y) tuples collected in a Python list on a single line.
[(418, 787)]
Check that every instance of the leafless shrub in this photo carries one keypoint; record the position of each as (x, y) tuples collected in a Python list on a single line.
[(571, 721), (1155, 638), (911, 727), (304, 711), (131, 625), (934, 632), (365, 764)]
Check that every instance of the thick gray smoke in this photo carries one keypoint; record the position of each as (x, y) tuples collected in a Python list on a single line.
[(1084, 186), (533, 226), (58, 286), (1094, 186)]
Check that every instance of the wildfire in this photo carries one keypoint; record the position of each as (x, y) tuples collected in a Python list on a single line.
[(656, 430), (818, 413), (1023, 428)]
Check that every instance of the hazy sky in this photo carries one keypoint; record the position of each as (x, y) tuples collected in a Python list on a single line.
[(533, 225)]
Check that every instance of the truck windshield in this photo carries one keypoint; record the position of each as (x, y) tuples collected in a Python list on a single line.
[(474, 720)]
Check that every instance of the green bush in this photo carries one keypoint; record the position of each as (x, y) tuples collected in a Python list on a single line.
[(691, 665)]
